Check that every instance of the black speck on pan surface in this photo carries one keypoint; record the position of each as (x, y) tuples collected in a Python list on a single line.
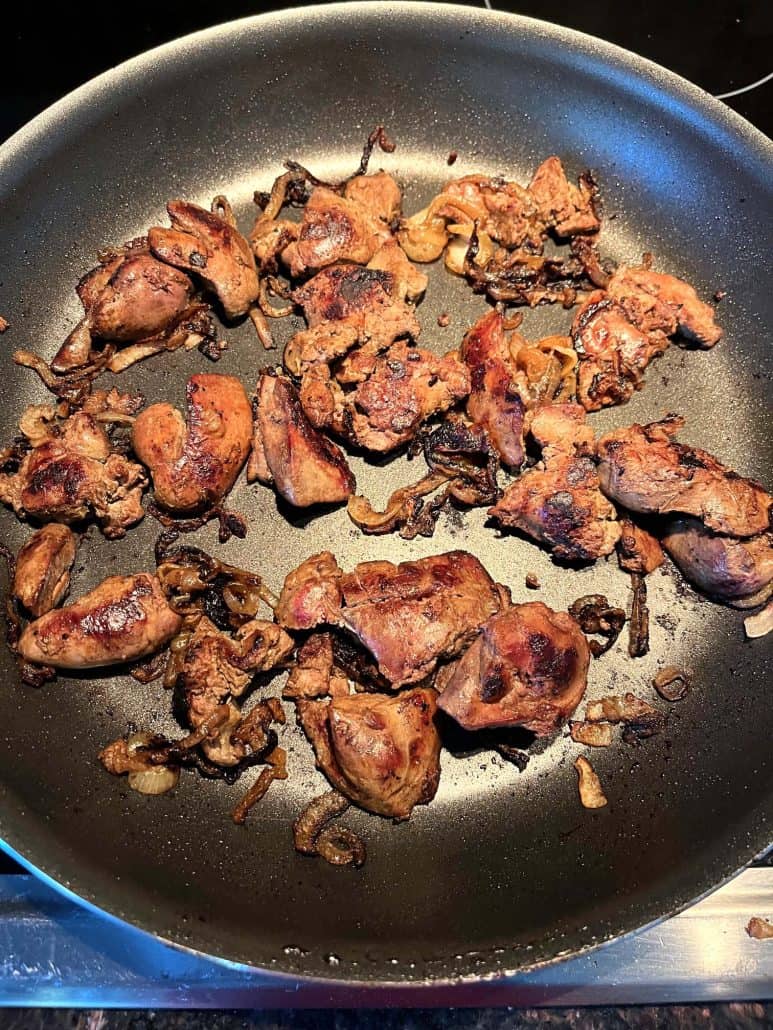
[(505, 869)]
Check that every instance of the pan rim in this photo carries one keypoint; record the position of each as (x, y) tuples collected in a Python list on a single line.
[(709, 110)]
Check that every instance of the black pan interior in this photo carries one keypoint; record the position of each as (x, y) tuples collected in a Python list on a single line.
[(504, 869)]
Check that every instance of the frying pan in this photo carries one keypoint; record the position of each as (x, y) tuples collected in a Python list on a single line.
[(503, 870)]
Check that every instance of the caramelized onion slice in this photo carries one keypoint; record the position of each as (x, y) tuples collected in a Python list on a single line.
[(400, 507), (591, 794), (313, 836), (672, 683), (594, 734), (760, 624)]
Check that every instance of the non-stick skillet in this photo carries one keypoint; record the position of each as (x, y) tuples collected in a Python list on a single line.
[(504, 869)]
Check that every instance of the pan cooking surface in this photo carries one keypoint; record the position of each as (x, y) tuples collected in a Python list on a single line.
[(504, 869)]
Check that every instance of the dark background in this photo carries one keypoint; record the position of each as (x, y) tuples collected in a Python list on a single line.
[(47, 52)]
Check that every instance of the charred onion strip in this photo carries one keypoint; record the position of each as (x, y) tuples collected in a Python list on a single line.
[(195, 582), (377, 136), (594, 615), (231, 522), (258, 319), (312, 836), (639, 626), (340, 846), (403, 509), (72, 386), (221, 206), (464, 454), (265, 302), (276, 770), (32, 675), (520, 277), (640, 718), (150, 669)]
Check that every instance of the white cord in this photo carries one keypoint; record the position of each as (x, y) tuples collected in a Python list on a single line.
[(744, 89), (717, 96)]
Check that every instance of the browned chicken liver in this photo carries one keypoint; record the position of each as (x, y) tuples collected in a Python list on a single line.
[(618, 331), (494, 402), (194, 461), (409, 616), (528, 667), (72, 472), (638, 551), (217, 667), (644, 469), (407, 386), (311, 595), (124, 618), (347, 306), (381, 752), (559, 502), (738, 572), (336, 228), (209, 246), (43, 565), (129, 297), (305, 467), (516, 216)]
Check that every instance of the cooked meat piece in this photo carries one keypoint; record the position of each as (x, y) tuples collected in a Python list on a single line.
[(644, 469), (618, 331), (381, 752), (566, 209), (311, 594), (314, 674), (638, 550), (412, 615), (494, 402), (505, 211), (205, 244), (305, 466), (217, 667), (124, 618), (129, 297), (347, 305), (528, 667), (379, 194), (654, 302), (559, 502), (409, 282), (407, 386), (334, 229), (43, 565), (71, 473), (195, 462), (613, 353), (323, 400), (516, 217), (738, 572)]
